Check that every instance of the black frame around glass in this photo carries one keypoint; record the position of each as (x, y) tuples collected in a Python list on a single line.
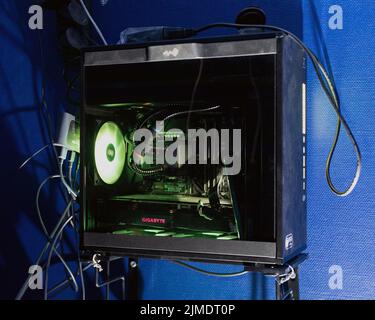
[(289, 222)]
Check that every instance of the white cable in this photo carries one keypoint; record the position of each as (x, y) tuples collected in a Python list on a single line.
[(59, 232), (37, 152), (93, 22), (71, 164), (189, 112), (46, 232), (66, 185), (37, 202)]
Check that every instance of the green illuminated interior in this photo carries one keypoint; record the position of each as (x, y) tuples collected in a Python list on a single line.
[(175, 233), (109, 152), (73, 138), (129, 200)]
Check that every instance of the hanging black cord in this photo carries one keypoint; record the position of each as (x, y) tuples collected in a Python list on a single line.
[(329, 89), (209, 273)]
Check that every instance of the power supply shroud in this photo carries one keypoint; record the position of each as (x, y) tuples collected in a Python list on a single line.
[(259, 82)]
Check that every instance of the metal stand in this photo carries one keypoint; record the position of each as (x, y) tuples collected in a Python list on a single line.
[(288, 290), (133, 280), (286, 277), (109, 280), (130, 286)]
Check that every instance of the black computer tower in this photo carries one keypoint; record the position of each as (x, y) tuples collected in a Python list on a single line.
[(258, 80)]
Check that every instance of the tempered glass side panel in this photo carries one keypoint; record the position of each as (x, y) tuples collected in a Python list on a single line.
[(181, 199)]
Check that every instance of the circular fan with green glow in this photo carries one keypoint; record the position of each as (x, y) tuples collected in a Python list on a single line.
[(109, 152)]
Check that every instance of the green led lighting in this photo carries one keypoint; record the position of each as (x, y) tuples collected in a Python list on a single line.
[(123, 232), (183, 235), (73, 138), (227, 238), (125, 104), (114, 105), (165, 234), (109, 152), (153, 230), (212, 234)]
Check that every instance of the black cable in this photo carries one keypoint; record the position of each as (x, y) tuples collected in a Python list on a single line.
[(195, 90), (209, 273), (329, 89), (189, 112), (160, 168), (154, 113)]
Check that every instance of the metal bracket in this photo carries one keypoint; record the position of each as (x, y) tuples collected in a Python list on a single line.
[(287, 285), (133, 279), (284, 278), (96, 262), (98, 268)]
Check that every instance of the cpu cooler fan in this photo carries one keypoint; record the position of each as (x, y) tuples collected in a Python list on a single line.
[(109, 152)]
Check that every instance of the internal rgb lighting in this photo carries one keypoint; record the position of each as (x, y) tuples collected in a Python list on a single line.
[(109, 152)]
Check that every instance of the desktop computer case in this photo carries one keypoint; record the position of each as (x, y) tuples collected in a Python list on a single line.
[(288, 127)]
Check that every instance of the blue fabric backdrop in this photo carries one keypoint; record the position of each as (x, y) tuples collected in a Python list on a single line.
[(340, 231)]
